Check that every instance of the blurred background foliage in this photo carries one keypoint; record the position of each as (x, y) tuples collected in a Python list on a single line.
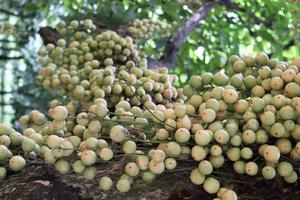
[(272, 26)]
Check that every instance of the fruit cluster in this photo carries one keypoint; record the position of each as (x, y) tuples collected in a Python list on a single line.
[(116, 107), (144, 29)]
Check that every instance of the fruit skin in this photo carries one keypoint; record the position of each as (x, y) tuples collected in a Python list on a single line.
[(268, 172), (123, 185), (17, 163), (211, 185), (105, 183)]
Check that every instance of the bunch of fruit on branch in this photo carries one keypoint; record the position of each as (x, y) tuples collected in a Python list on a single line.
[(113, 106)]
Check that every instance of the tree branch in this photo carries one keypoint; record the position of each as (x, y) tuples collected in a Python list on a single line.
[(172, 47)]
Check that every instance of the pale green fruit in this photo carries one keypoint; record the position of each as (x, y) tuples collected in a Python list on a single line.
[(173, 149), (91, 143), (261, 136), (291, 178), (285, 146), (248, 137), (28, 145), (105, 183), (268, 172), (180, 110), (268, 118), (158, 155), (284, 168), (211, 185), (229, 195), (262, 58), (208, 115), (88, 157), (129, 147), (132, 169), (182, 135), (117, 133), (106, 154), (16, 138), (53, 141), (246, 153), (142, 161), (3, 173), (195, 81), (148, 176), (17, 163), (239, 167), (198, 153), (123, 185), (202, 137), (62, 166), (196, 177), (162, 134), (271, 153), (233, 153), (277, 130), (230, 96), (89, 173), (217, 161), (59, 113), (78, 167), (49, 158), (205, 167), (236, 140), (215, 150), (170, 163), (222, 137), (156, 168), (251, 168), (5, 140)]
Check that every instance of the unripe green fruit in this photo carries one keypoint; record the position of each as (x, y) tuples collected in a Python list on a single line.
[(53, 141), (257, 104), (129, 147), (180, 110), (105, 183), (142, 161), (250, 81), (132, 169), (246, 153), (17, 163), (268, 172), (289, 125), (229, 195), (202, 137), (205, 167), (249, 137), (170, 163), (173, 149), (206, 78), (88, 157), (262, 59), (28, 145), (78, 167), (3, 173), (195, 81), (268, 118), (89, 173), (277, 130), (236, 140), (117, 133), (49, 158), (156, 168), (16, 139), (217, 161), (239, 167), (211, 185), (239, 66), (251, 168), (222, 137), (5, 140), (208, 115), (158, 155), (196, 177), (284, 168), (162, 134), (213, 104), (220, 79), (182, 135), (106, 154), (233, 153), (284, 145), (91, 143), (62, 166), (198, 153), (252, 124), (286, 112), (291, 178), (123, 185), (148, 176), (271, 153)]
